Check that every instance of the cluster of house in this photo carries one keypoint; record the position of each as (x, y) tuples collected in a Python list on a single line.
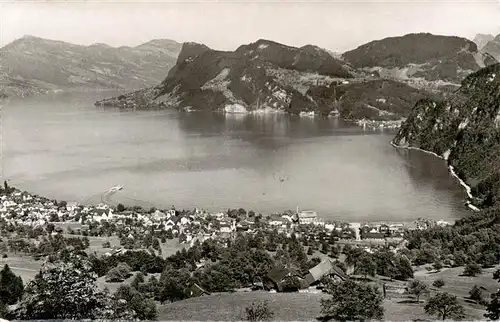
[(21, 208)]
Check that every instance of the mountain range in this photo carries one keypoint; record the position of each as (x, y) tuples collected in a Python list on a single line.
[(32, 65), (380, 80)]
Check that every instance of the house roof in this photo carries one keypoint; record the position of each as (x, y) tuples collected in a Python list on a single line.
[(197, 290), (277, 274), (326, 267)]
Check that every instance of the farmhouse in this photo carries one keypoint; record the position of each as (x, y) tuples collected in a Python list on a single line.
[(279, 278), (323, 269)]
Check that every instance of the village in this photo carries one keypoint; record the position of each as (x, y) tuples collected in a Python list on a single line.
[(136, 228), (23, 209)]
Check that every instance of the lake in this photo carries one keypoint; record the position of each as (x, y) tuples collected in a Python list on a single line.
[(61, 146)]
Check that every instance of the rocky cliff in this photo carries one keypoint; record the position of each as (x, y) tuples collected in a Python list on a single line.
[(269, 76), (424, 60), (32, 65), (463, 129)]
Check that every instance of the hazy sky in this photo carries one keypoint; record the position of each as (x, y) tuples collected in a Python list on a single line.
[(336, 25)]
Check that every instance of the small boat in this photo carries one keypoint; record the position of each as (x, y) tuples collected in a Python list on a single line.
[(116, 188)]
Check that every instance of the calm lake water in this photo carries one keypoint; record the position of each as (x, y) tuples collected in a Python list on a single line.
[(62, 147)]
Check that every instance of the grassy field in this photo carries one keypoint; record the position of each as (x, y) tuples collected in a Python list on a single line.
[(231, 306), (286, 307), (306, 306), (24, 266)]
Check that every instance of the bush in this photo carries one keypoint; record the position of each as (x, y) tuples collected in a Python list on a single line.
[(476, 294), (438, 283), (437, 265), (472, 269), (258, 312)]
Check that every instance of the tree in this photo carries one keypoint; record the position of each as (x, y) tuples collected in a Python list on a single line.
[(438, 283), (63, 289), (156, 244), (138, 280), (335, 252), (417, 288), (4, 310), (438, 265), (174, 284), (444, 305), (11, 286), (476, 294), (325, 247), (351, 301), (472, 269), (120, 208), (493, 308), (365, 265), (402, 269), (106, 244), (119, 273), (258, 312), (143, 307)]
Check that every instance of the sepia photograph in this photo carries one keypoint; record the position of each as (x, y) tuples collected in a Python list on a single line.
[(254, 160)]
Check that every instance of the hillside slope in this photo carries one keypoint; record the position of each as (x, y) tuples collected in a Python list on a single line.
[(431, 59), (269, 76), (464, 130), (32, 65)]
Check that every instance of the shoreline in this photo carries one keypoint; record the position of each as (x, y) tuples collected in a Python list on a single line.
[(321, 221), (466, 187)]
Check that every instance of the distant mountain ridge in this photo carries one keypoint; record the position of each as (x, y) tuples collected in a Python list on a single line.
[(32, 65), (380, 80), (251, 77), (420, 56), (492, 47), (482, 39), (267, 74)]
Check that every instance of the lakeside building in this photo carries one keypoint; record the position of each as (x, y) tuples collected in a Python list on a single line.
[(306, 217)]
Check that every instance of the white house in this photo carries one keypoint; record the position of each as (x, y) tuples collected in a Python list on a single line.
[(307, 217)]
